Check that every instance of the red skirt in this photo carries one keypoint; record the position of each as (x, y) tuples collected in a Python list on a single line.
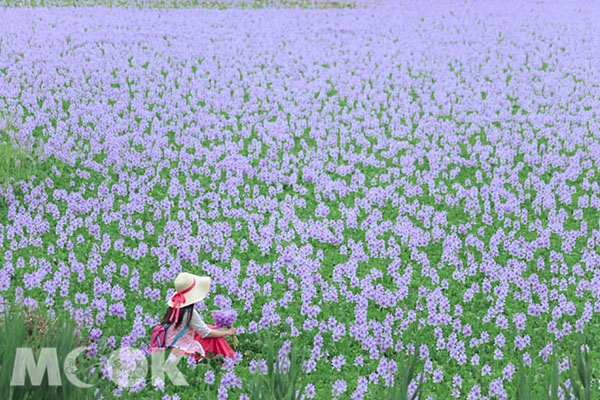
[(215, 346)]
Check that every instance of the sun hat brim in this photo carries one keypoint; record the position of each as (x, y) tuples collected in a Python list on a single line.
[(197, 293)]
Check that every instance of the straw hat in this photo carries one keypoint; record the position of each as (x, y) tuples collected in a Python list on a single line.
[(190, 289)]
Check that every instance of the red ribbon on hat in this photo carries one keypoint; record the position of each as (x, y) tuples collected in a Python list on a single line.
[(178, 299)]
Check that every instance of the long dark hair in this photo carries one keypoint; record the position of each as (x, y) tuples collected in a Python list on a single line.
[(183, 313)]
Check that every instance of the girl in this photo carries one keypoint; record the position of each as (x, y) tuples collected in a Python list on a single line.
[(198, 338)]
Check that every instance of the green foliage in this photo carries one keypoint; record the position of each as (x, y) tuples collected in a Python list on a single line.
[(553, 379), (523, 382), (407, 372), (35, 330), (579, 375), (15, 164), (279, 383)]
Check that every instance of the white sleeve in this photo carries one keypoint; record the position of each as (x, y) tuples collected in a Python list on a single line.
[(198, 325)]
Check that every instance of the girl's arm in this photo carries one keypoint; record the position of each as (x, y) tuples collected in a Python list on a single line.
[(218, 333), (198, 325), (204, 331)]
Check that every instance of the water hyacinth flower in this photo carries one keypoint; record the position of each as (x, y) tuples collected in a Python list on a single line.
[(209, 377), (224, 319), (309, 391), (339, 387)]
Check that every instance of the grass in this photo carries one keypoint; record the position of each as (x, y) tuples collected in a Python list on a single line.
[(280, 383), (15, 164), (407, 373), (22, 328), (578, 373)]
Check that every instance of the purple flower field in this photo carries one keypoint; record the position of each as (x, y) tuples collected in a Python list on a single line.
[(406, 177)]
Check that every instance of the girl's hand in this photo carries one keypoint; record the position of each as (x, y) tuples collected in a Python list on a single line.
[(231, 331)]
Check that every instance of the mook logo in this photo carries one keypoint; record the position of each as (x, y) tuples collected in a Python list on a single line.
[(126, 366)]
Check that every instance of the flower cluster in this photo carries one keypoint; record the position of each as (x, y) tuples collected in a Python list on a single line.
[(224, 318)]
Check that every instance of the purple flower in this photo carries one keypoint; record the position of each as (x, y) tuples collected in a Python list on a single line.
[(338, 361), (209, 377), (224, 318), (118, 310), (339, 387), (438, 376), (309, 391), (358, 361), (95, 334), (508, 371), (497, 389)]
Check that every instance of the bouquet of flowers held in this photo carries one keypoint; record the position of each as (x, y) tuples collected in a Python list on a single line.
[(224, 319)]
